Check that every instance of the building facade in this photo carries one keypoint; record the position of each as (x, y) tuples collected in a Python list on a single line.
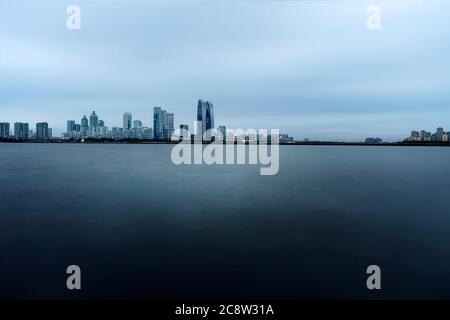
[(169, 126), (4, 130), (84, 127), (127, 121), (159, 123), (21, 131), (42, 131), (205, 119)]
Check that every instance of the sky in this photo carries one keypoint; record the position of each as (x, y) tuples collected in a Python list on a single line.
[(312, 69)]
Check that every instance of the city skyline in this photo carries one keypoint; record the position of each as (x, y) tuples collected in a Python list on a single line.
[(164, 121), (267, 64)]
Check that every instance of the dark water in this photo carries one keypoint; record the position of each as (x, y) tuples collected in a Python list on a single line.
[(141, 227)]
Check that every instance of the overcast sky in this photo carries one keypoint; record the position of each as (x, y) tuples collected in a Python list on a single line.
[(310, 68)]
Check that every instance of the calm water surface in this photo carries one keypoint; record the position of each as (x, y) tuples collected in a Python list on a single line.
[(141, 227)]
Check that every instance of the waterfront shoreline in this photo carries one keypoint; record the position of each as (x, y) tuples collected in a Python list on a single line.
[(296, 143)]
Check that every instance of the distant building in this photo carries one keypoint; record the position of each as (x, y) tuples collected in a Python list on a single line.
[(439, 133), (285, 138), (73, 129), (93, 119), (103, 131), (223, 132), (158, 123), (147, 133), (93, 124), (205, 119), (426, 136), (21, 131), (50, 133), (127, 121), (42, 131), (163, 124), (374, 140), (70, 128), (137, 124), (115, 133), (4, 130), (70, 125), (169, 126), (415, 136), (84, 127)]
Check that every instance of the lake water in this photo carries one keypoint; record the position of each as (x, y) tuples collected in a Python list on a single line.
[(142, 227)]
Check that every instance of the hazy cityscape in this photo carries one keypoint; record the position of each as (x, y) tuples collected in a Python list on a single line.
[(164, 129), (93, 128)]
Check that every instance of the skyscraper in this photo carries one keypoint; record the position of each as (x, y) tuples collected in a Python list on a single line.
[(205, 119), (70, 127), (4, 130), (42, 131), (169, 126), (158, 123), (84, 127), (127, 121), (21, 131), (93, 120), (93, 124), (439, 134)]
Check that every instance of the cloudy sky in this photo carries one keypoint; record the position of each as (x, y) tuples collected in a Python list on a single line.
[(310, 68)]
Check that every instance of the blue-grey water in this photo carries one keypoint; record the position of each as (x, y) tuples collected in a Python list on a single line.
[(142, 227)]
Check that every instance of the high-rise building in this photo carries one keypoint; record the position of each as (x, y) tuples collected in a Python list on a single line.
[(127, 120), (4, 130), (137, 124), (439, 134), (50, 133), (21, 131), (158, 123), (42, 131), (70, 126), (164, 123), (84, 127), (205, 119), (93, 124), (93, 119), (169, 126)]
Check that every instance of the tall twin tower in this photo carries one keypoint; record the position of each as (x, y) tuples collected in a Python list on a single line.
[(205, 118)]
